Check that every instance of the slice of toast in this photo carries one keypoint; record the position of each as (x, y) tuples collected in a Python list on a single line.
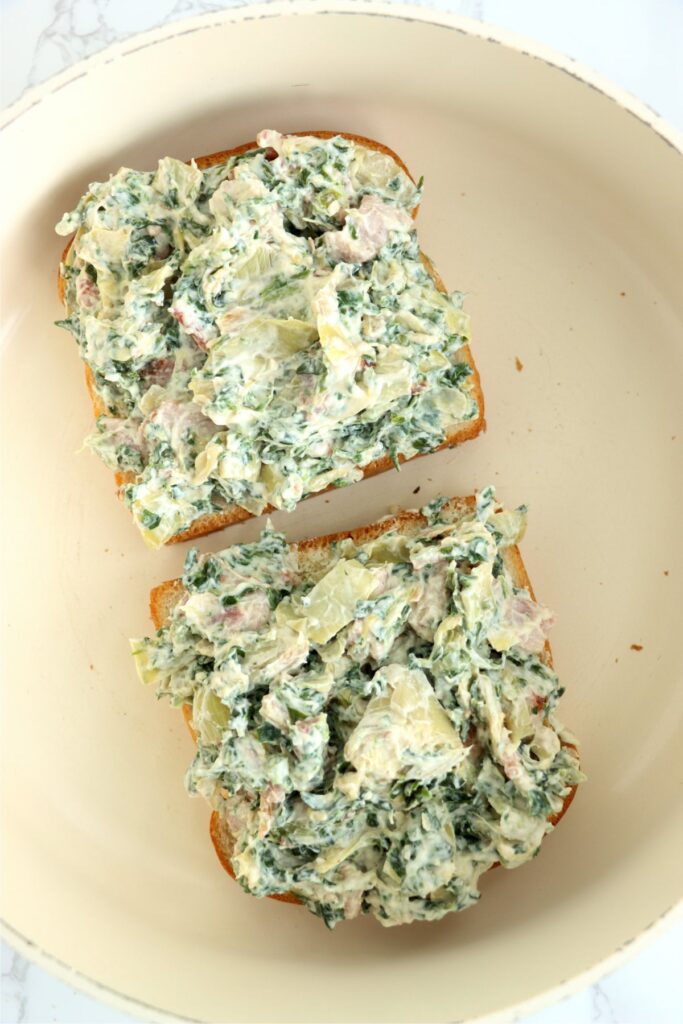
[(459, 433), (313, 555)]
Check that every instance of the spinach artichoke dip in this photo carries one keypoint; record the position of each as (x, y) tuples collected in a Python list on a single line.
[(375, 720), (260, 330)]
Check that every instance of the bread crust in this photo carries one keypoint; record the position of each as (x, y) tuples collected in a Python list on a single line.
[(164, 598), (212, 521)]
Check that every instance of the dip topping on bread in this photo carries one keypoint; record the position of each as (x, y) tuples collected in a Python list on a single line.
[(374, 714), (261, 329)]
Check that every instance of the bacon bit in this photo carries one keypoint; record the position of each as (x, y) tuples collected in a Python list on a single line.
[(519, 365), (270, 153), (87, 292), (188, 327), (512, 766), (158, 371), (271, 798), (636, 647), (373, 220), (352, 904), (251, 612), (474, 751), (537, 701)]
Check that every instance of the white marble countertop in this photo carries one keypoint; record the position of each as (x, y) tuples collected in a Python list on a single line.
[(638, 44)]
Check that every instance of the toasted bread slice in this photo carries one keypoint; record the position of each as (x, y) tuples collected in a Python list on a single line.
[(314, 554), (459, 433)]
